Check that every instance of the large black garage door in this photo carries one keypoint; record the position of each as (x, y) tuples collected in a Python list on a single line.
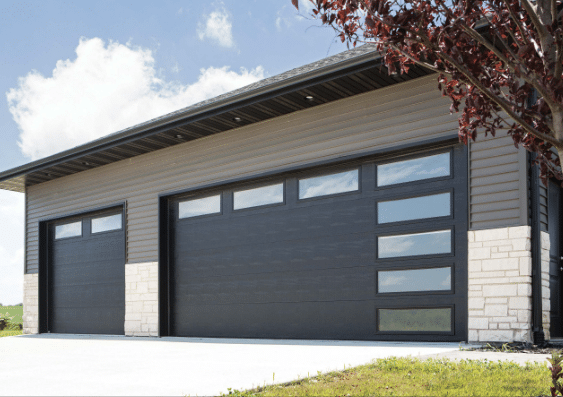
[(86, 274), (374, 249)]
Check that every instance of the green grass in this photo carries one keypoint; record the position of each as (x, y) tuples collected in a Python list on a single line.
[(411, 377), (13, 311)]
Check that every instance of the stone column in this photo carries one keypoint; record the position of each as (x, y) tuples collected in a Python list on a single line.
[(141, 299), (30, 303), (500, 285)]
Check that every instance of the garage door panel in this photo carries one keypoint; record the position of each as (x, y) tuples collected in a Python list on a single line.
[(308, 268), (295, 255), (88, 295), (321, 285), (288, 225), (307, 320), (86, 276), (88, 320)]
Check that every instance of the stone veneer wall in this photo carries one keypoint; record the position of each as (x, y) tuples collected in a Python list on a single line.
[(545, 293), (500, 285), (141, 299), (30, 303)]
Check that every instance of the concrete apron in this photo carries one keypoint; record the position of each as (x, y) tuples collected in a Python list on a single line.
[(81, 365)]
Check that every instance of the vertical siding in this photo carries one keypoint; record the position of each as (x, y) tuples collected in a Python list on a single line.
[(402, 114)]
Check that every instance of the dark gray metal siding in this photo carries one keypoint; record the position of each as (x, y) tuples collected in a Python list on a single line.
[(406, 113)]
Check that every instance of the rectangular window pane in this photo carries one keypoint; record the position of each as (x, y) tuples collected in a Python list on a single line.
[(414, 208), (68, 230), (413, 170), (259, 196), (415, 320), (439, 242), (202, 206), (328, 184), (106, 223), (435, 279)]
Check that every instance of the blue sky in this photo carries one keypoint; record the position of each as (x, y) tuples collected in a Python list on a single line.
[(71, 72)]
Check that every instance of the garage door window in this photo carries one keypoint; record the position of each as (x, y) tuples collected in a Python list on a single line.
[(415, 320), (73, 229), (432, 206), (272, 194), (415, 280), (198, 207), (438, 242), (417, 169), (329, 184), (106, 223)]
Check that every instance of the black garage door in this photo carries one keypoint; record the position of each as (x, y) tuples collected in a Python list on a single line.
[(86, 274), (369, 250)]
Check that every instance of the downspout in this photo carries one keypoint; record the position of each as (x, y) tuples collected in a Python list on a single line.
[(537, 323)]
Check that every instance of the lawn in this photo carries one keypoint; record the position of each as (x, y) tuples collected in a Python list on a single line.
[(411, 377), (13, 311)]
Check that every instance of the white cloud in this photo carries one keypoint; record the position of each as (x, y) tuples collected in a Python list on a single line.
[(105, 89), (217, 28), (11, 247)]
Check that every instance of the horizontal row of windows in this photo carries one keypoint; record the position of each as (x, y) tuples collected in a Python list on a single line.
[(343, 182), (99, 225)]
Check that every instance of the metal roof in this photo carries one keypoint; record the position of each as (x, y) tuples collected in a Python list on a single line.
[(343, 75)]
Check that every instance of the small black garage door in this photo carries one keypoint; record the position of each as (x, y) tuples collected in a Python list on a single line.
[(367, 250), (86, 274)]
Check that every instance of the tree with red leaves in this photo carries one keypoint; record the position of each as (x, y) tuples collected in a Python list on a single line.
[(501, 60)]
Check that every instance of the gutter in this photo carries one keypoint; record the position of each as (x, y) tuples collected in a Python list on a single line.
[(538, 334)]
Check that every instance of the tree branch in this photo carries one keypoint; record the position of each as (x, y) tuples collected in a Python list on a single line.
[(517, 22), (507, 107), (531, 10)]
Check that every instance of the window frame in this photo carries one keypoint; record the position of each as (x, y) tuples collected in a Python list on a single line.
[(198, 197), (324, 172), (55, 225), (398, 197), (104, 216), (433, 265), (452, 320), (413, 157), (436, 228), (252, 186)]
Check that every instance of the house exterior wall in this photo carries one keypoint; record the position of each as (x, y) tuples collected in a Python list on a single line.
[(402, 114)]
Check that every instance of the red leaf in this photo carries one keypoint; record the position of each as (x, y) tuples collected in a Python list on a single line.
[(295, 3)]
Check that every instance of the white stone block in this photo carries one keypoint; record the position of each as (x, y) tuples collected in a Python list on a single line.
[(504, 326), (505, 248), (525, 316), (496, 336), (132, 316), (475, 288), (142, 288), (474, 266), (521, 244), (502, 301), (506, 319), (491, 234), (512, 273), (478, 323), (475, 245), (545, 243), (524, 290), (496, 310), (470, 236), (476, 303), (499, 255), (526, 266), (500, 290), (520, 303), (493, 325), (153, 284), (479, 253), (476, 313), (522, 336), (500, 264), (520, 232), (519, 253)]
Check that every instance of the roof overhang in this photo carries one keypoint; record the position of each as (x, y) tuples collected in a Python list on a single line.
[(349, 73)]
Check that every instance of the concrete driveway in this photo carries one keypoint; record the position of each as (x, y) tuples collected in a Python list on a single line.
[(80, 365)]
